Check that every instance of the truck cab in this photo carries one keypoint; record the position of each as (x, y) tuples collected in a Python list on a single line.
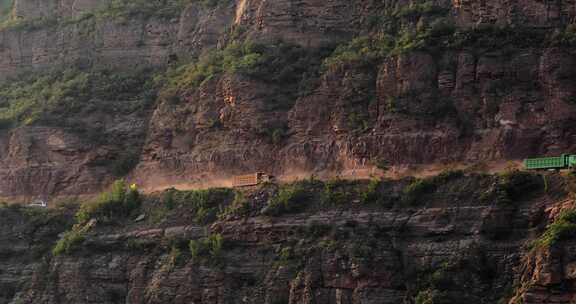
[(571, 161)]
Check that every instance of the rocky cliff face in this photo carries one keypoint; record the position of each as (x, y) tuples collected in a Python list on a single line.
[(26, 237), (51, 33), (499, 88), (192, 92), (460, 240)]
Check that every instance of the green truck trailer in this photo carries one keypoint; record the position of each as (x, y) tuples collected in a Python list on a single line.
[(565, 161)]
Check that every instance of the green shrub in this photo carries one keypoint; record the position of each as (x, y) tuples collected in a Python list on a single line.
[(372, 193), (72, 240), (430, 38), (427, 296), (5, 9), (116, 204), (126, 10), (23, 100), (416, 190), (207, 249), (168, 199), (495, 37), (215, 243), (563, 228), (239, 207), (212, 3), (329, 244), (435, 35), (336, 192), (514, 185), (203, 215), (292, 256), (196, 249), (132, 200), (286, 255), (281, 64), (203, 198), (54, 95), (366, 50), (419, 187), (508, 294), (362, 50), (447, 176), (358, 122), (361, 249), (172, 260), (237, 57), (13, 207), (138, 246), (316, 230), (204, 206), (118, 10), (278, 135), (415, 10), (566, 37), (28, 25), (289, 199), (69, 242), (383, 165), (275, 133)]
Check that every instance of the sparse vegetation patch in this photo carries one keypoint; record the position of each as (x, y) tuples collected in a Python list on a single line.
[(203, 206), (113, 205), (290, 198), (70, 241), (564, 227), (5, 9), (416, 190), (208, 249), (291, 70), (514, 185), (53, 96)]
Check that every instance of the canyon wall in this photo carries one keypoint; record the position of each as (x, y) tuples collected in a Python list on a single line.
[(190, 93), (469, 103), (459, 242)]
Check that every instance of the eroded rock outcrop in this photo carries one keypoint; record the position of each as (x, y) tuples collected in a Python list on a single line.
[(490, 100), (459, 242)]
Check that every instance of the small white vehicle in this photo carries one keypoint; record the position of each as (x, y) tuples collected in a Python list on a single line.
[(39, 203)]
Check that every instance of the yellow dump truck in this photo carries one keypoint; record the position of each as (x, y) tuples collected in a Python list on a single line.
[(252, 179)]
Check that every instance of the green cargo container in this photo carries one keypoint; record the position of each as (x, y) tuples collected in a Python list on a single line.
[(561, 162)]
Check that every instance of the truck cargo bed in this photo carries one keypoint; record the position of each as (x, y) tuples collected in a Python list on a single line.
[(546, 162)]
